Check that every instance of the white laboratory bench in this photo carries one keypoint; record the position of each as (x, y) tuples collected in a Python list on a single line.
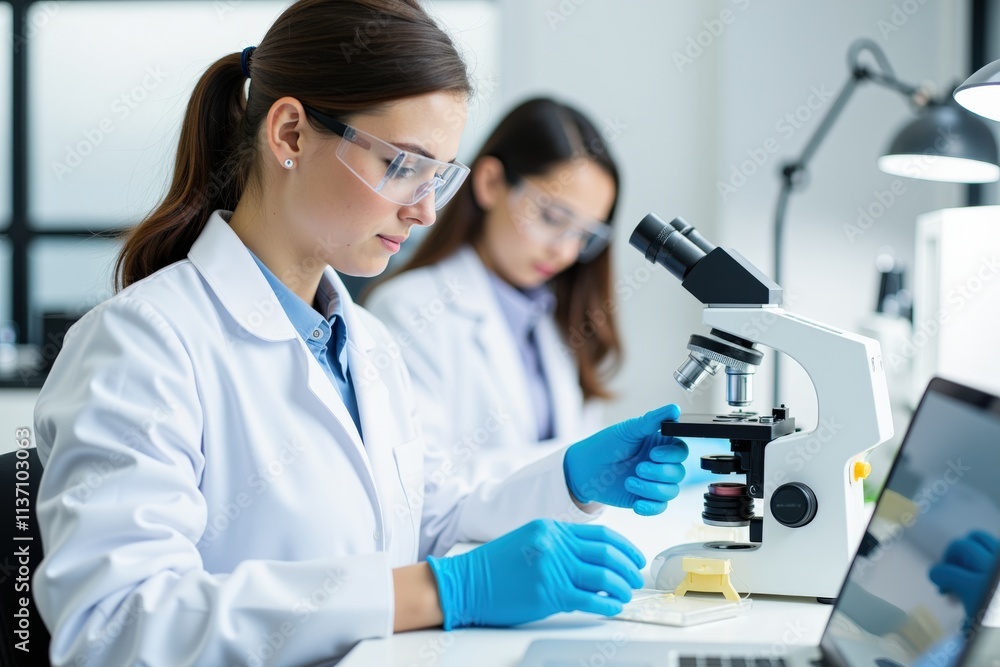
[(778, 622)]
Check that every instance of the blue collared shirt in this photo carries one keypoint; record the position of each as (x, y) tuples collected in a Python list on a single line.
[(523, 309), (317, 332)]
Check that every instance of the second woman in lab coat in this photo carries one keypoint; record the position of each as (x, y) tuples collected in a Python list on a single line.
[(504, 314)]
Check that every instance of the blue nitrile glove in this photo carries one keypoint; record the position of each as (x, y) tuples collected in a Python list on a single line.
[(967, 568), (537, 570), (629, 464)]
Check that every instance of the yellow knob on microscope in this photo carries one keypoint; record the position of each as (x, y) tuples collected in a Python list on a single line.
[(861, 470)]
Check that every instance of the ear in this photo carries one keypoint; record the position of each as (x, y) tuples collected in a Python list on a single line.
[(284, 124), (488, 182)]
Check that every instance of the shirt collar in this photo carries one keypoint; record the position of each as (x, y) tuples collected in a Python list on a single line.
[(522, 308), (303, 317)]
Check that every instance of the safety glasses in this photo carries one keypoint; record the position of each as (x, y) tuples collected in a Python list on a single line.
[(400, 176), (546, 219)]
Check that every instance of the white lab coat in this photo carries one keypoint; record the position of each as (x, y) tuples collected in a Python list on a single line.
[(471, 386), (206, 498)]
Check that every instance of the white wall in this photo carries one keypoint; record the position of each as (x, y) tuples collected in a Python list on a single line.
[(693, 89), (613, 59), (774, 57)]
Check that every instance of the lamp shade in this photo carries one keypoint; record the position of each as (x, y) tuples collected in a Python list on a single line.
[(944, 143), (981, 92)]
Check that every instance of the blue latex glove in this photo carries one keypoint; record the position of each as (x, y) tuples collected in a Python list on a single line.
[(967, 568), (537, 570), (629, 464)]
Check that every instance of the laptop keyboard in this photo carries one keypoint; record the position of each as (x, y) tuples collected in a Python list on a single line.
[(728, 661)]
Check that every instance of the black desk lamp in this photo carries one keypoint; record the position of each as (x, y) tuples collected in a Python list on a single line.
[(944, 143)]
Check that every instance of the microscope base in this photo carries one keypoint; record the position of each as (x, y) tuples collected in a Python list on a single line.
[(754, 570)]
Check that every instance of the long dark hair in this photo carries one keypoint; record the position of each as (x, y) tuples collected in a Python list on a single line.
[(342, 57), (532, 139)]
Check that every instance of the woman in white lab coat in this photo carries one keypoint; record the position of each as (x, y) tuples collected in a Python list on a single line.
[(504, 314), (233, 456)]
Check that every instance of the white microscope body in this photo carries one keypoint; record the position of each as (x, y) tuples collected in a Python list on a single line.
[(803, 497), (854, 416)]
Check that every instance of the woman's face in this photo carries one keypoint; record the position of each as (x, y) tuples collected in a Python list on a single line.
[(531, 232), (333, 216)]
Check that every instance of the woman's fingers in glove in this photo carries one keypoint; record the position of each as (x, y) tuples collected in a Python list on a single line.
[(648, 507), (985, 539), (648, 424), (611, 559), (955, 580), (596, 579), (647, 490), (603, 534), (671, 473), (593, 603), (673, 450), (969, 554)]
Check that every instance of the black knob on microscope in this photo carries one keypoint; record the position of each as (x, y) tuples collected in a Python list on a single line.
[(720, 464), (793, 504)]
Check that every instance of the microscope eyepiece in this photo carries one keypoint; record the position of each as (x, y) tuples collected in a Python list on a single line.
[(677, 246)]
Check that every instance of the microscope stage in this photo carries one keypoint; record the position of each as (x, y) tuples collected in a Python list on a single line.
[(734, 426)]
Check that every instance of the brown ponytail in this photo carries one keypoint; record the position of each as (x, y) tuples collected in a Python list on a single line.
[(342, 57)]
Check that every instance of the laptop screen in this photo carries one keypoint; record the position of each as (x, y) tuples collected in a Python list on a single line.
[(930, 551)]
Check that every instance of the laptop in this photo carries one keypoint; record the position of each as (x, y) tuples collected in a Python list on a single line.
[(944, 486)]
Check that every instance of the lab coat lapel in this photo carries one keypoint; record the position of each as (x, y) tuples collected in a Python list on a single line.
[(493, 336), (374, 403), (226, 265)]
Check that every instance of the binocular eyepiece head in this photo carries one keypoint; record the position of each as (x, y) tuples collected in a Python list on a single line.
[(676, 246)]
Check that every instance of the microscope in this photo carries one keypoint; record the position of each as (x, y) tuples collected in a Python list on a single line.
[(799, 492)]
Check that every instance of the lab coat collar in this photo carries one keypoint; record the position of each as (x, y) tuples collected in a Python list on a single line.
[(466, 267), (464, 273), (223, 261)]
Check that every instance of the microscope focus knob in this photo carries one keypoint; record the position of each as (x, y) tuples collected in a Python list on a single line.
[(793, 504)]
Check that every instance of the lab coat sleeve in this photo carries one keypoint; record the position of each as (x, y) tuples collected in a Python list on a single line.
[(454, 512), (119, 428)]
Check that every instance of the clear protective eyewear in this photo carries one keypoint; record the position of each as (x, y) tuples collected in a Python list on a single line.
[(400, 176), (546, 219)]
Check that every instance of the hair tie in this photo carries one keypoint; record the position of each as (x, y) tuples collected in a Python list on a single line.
[(245, 60)]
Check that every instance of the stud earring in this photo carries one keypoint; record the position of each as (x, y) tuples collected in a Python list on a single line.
[(289, 163)]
